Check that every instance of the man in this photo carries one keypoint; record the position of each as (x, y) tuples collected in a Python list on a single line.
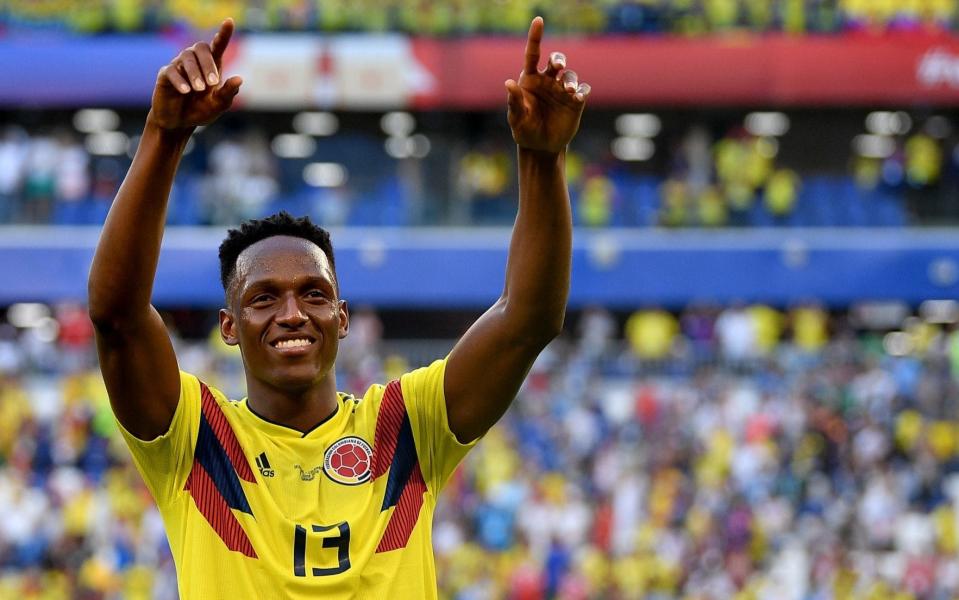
[(300, 491)]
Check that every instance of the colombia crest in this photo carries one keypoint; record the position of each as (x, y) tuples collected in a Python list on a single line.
[(348, 461)]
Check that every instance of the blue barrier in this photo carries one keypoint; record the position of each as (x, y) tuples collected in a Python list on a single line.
[(54, 70), (464, 268)]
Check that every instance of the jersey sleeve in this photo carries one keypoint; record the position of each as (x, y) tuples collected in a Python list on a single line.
[(438, 449), (165, 462)]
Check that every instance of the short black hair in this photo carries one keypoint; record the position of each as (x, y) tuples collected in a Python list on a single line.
[(252, 231)]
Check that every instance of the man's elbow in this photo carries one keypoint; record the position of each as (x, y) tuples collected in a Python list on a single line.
[(99, 316), (98, 309), (532, 327), (103, 321), (551, 326), (539, 330), (106, 315)]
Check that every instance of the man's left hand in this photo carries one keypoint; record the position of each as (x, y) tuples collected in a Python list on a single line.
[(544, 107)]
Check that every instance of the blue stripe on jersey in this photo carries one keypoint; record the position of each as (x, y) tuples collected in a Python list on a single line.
[(402, 465), (217, 464)]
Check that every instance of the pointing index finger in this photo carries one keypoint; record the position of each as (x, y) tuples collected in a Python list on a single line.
[(221, 40), (532, 45)]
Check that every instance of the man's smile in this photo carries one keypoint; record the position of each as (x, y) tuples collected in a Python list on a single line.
[(293, 344)]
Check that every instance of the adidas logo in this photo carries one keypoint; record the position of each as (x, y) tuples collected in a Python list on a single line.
[(263, 463)]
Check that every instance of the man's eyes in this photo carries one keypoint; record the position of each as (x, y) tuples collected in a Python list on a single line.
[(312, 295)]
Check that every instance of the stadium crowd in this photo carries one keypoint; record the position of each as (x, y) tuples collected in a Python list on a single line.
[(458, 17), (696, 178), (721, 452)]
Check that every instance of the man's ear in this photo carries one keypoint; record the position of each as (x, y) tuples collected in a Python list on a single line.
[(344, 315), (228, 328)]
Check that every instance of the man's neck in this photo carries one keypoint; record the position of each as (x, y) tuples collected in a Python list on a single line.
[(299, 410)]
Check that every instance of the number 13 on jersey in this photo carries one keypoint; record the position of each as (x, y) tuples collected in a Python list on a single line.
[(341, 542)]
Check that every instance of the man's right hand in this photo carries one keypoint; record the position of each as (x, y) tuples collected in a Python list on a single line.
[(189, 91)]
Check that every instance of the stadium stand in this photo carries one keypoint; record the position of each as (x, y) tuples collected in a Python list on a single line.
[(54, 174), (718, 452), (453, 17)]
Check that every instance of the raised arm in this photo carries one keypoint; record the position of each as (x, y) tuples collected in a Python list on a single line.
[(136, 355), (488, 365)]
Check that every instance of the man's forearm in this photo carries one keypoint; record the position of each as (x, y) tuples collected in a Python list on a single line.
[(124, 266), (538, 269)]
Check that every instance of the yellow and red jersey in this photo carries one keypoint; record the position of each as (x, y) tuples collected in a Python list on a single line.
[(254, 509)]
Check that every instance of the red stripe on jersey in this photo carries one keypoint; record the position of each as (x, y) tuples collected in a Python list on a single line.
[(221, 428), (214, 508), (388, 422), (406, 513)]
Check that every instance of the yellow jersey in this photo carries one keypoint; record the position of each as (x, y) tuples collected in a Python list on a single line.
[(257, 510)]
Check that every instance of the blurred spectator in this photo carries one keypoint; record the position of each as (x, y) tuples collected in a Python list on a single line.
[(810, 327), (651, 333), (596, 330), (75, 333), (768, 326), (694, 161), (923, 160), (485, 177), (675, 201), (712, 208), (242, 180), (72, 170), (782, 193), (360, 351), (698, 323), (736, 333), (13, 157), (40, 183), (596, 201), (867, 171)]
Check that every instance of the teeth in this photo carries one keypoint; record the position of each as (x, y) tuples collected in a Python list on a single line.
[(292, 343)]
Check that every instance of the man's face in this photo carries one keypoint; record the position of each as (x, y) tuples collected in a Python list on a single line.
[(285, 313)]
